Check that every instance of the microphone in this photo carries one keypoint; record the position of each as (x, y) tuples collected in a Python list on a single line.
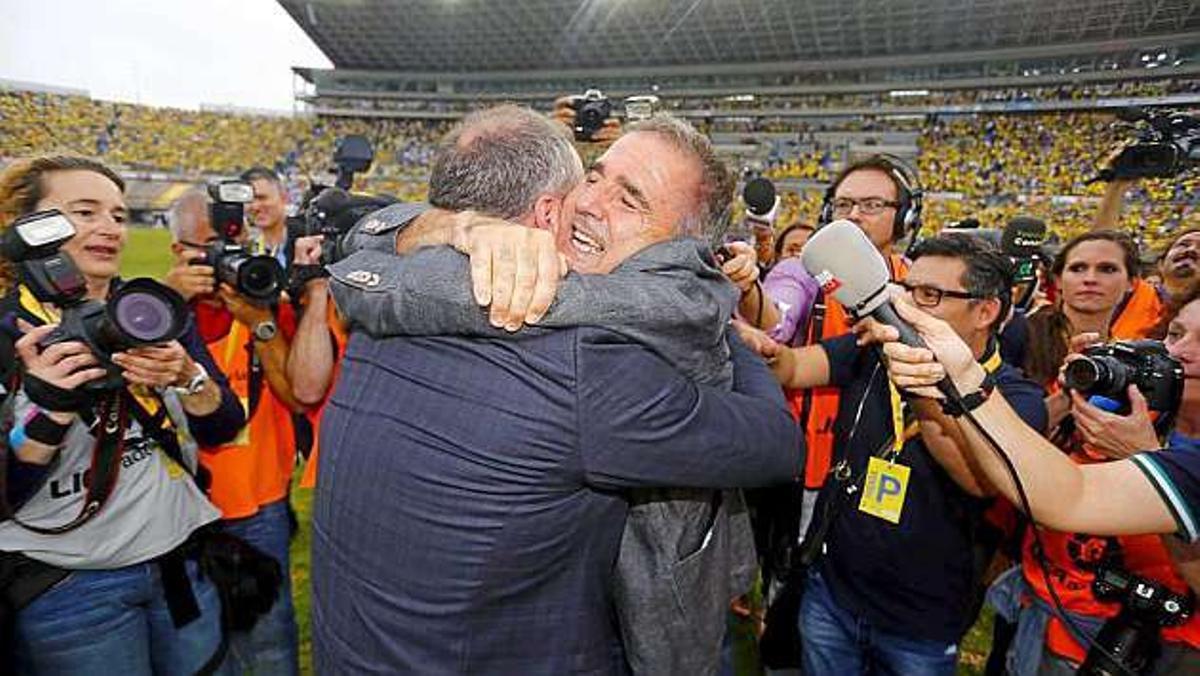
[(1023, 237), (762, 202), (845, 264)]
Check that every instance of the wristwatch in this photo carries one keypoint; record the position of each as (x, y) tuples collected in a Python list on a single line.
[(971, 401), (195, 384), (265, 330)]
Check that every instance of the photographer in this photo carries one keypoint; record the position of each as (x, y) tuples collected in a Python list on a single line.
[(268, 211), (872, 575), (250, 474), (1151, 492), (113, 586)]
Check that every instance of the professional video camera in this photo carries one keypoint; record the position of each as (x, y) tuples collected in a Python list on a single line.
[(257, 277), (138, 312), (1105, 371), (591, 110), (1129, 643), (330, 211), (1167, 144)]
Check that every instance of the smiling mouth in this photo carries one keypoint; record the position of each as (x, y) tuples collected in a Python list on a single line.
[(585, 242), (102, 250)]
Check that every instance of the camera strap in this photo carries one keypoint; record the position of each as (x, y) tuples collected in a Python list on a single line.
[(110, 426)]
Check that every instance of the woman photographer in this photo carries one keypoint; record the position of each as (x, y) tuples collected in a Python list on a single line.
[(1093, 273), (98, 570), (1158, 559)]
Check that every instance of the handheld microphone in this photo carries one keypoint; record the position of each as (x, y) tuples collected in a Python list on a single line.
[(762, 202), (845, 263)]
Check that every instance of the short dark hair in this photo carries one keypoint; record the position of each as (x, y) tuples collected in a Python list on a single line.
[(881, 163), (988, 274), (261, 173), (787, 231)]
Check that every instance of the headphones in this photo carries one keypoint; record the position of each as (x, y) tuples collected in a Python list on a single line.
[(911, 196)]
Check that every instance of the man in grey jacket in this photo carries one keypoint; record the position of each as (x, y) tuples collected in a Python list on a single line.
[(685, 553)]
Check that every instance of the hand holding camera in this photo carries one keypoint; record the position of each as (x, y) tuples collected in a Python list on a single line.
[(1113, 436), (67, 366), (190, 276), (589, 116)]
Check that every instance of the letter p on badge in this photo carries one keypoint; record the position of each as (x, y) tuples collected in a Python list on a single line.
[(884, 490)]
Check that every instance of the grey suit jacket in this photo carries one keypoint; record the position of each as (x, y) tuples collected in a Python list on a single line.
[(684, 552)]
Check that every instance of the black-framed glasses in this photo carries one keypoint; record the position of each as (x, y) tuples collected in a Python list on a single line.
[(868, 206), (926, 295)]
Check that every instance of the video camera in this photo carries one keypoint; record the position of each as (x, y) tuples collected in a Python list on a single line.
[(1105, 371), (330, 211), (1167, 144), (1129, 642), (591, 111), (138, 312), (258, 277)]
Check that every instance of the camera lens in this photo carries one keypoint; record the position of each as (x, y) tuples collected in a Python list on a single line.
[(260, 277), (145, 312), (1097, 375)]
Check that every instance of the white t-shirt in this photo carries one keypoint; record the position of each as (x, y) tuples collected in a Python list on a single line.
[(153, 507)]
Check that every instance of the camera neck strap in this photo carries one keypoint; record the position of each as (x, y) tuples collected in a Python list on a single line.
[(110, 425)]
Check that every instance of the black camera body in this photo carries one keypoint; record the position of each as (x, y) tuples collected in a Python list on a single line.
[(258, 277), (1107, 370), (331, 211), (138, 311), (1167, 144), (1129, 642), (591, 111)]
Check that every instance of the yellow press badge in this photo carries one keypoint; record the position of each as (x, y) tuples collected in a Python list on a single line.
[(884, 489)]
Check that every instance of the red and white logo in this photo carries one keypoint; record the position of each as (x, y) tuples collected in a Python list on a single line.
[(828, 282)]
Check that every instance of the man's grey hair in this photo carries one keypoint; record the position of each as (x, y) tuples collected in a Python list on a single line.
[(186, 214), (499, 160), (710, 218)]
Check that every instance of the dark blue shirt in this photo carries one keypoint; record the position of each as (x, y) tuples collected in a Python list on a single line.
[(1175, 473), (917, 578), (471, 498)]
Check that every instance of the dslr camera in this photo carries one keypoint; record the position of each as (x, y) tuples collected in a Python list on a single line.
[(331, 211), (1166, 145), (1129, 643), (1104, 372), (138, 311), (591, 110), (258, 277)]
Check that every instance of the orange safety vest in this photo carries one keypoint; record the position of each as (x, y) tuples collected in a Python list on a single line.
[(255, 468), (816, 409), (309, 478), (1071, 559), (1139, 313)]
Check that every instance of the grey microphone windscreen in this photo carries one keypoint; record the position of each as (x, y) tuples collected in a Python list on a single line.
[(845, 263)]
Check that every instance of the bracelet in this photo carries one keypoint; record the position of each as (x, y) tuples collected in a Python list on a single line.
[(969, 402), (44, 430)]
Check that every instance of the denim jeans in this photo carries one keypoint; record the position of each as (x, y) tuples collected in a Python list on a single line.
[(835, 641), (271, 647), (116, 622)]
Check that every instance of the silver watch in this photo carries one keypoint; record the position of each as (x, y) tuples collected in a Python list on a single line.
[(195, 384), (265, 330)]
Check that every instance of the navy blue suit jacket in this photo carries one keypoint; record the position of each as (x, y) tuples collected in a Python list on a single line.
[(470, 504)]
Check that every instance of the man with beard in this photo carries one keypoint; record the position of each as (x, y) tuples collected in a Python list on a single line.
[(519, 515)]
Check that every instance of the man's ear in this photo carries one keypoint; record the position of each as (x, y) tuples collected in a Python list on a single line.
[(989, 312), (547, 212), (176, 248)]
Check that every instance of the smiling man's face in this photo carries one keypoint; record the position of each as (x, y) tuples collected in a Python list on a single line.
[(637, 194)]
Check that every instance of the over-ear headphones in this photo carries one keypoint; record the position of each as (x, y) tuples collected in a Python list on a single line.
[(910, 194)]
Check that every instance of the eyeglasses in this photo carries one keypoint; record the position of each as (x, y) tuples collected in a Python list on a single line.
[(868, 206), (925, 295)]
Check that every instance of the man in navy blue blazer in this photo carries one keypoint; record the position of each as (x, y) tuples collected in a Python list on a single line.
[(471, 495)]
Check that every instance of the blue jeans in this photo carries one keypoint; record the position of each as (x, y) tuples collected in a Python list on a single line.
[(270, 648), (836, 641), (115, 622)]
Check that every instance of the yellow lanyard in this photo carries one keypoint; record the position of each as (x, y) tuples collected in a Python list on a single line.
[(900, 433), (34, 306)]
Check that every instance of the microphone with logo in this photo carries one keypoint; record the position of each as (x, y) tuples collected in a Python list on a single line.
[(762, 202), (1022, 243), (845, 264)]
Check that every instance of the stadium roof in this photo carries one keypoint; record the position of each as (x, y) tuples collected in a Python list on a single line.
[(472, 36)]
